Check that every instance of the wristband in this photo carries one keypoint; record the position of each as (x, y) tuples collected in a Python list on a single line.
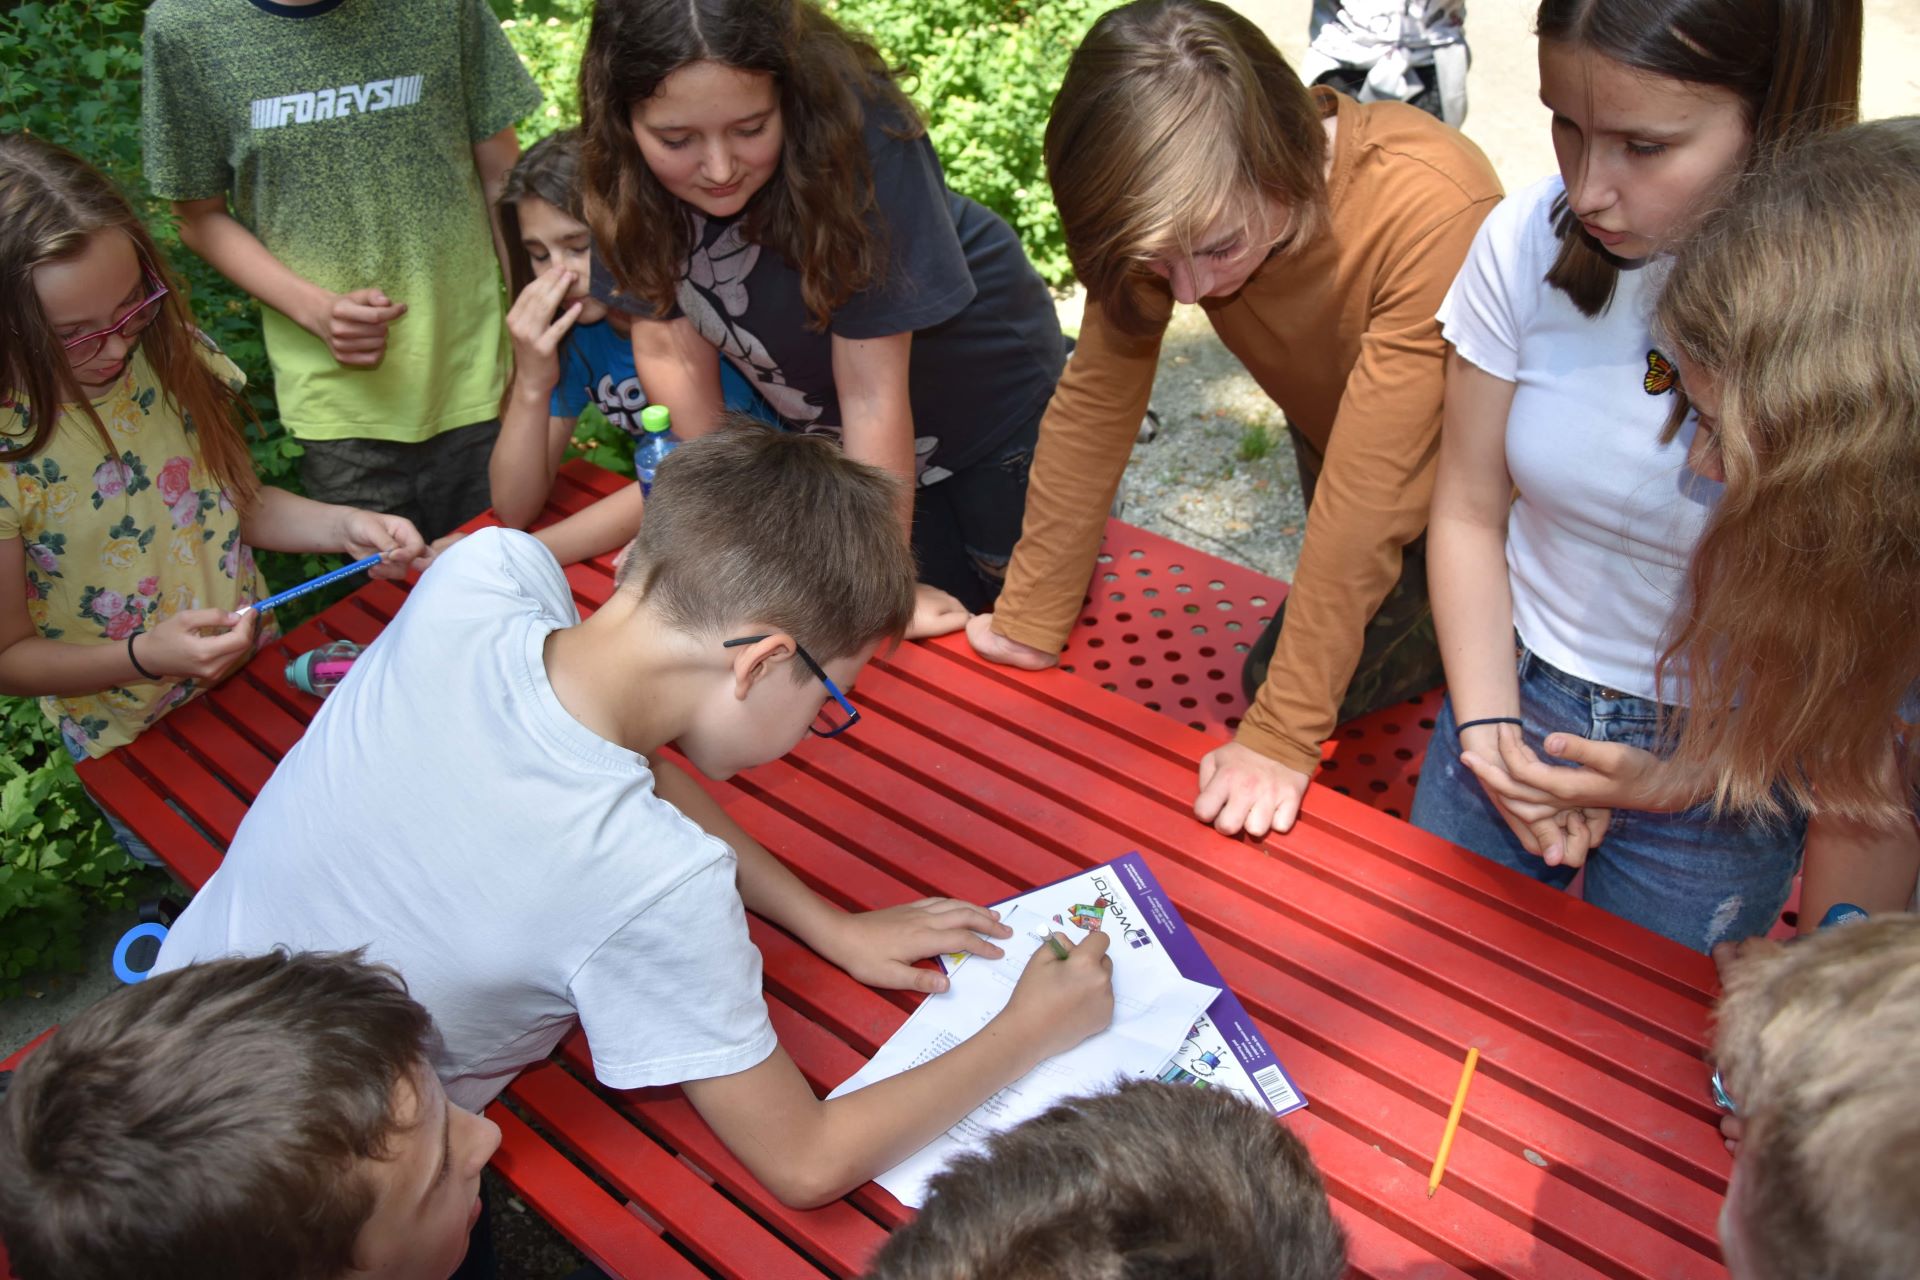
[(1474, 724), (135, 661)]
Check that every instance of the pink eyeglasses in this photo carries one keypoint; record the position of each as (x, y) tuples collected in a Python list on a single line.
[(83, 349)]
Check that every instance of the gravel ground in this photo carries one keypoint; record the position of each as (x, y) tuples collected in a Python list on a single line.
[(1220, 474)]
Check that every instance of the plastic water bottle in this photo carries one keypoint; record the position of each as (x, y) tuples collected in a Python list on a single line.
[(317, 671), (654, 449)]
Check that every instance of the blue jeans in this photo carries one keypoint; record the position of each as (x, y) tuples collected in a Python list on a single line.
[(1694, 878)]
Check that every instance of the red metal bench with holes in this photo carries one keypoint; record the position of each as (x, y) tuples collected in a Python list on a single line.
[(1370, 954)]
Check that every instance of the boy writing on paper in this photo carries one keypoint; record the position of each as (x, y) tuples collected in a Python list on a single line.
[(268, 1118), (1816, 1045), (481, 804)]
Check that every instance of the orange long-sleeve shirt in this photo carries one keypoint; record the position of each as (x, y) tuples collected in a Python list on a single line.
[(1342, 336)]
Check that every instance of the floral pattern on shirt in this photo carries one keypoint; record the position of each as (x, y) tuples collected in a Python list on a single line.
[(116, 543)]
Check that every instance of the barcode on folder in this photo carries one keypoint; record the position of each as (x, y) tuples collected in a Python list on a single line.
[(1280, 1094)]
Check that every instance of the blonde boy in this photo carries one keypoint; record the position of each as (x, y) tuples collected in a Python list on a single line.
[(1816, 1045)]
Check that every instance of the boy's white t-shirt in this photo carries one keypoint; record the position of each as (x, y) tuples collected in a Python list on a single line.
[(445, 812), (1607, 517)]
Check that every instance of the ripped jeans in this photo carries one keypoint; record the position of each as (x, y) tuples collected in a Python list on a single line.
[(1694, 878), (965, 524)]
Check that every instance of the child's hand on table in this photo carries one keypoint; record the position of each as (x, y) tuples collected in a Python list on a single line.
[(197, 644), (994, 647), (400, 545), (879, 947), (1240, 789), (935, 613), (1059, 1003)]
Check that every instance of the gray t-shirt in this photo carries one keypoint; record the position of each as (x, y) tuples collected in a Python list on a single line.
[(987, 348), (445, 812)]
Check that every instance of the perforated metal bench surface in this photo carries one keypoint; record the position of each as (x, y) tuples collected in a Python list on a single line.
[(1169, 626)]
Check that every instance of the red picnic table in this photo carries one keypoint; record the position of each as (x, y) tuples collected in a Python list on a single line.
[(1370, 954)]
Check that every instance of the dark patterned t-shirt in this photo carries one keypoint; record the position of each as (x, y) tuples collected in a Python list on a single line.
[(987, 348)]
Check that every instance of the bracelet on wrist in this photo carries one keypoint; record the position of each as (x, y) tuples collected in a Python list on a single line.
[(1475, 724), (135, 660)]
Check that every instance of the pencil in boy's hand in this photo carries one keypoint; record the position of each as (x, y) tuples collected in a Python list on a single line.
[(1453, 1122), (1059, 948), (314, 584)]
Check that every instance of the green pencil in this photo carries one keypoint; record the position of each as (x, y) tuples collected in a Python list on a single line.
[(1059, 947)]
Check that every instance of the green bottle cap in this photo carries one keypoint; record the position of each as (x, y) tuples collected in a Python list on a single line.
[(654, 418)]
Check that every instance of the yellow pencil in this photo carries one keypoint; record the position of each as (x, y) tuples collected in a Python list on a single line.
[(1453, 1122)]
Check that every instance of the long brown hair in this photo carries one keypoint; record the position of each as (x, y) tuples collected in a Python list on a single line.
[(813, 212), (1176, 116), (1794, 63), (51, 203), (1800, 634)]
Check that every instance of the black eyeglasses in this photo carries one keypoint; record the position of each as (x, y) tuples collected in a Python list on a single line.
[(84, 348), (835, 717)]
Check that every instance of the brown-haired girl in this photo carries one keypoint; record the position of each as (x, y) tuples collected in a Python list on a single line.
[(128, 505), (1190, 164), (1789, 317), (760, 186), (1560, 392)]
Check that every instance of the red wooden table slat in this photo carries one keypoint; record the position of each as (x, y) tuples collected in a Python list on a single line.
[(691, 1211), (129, 796), (1534, 1127), (1370, 955), (1071, 722), (610, 1236), (837, 1236)]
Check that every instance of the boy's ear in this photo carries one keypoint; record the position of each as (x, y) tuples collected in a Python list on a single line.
[(753, 662)]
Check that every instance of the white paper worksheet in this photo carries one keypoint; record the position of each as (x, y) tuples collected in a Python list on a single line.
[(1154, 1006)]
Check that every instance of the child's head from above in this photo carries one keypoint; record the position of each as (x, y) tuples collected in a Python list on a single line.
[(753, 532), (82, 285), (1149, 1180), (272, 1116), (1790, 315), (1181, 143), (1657, 102), (1816, 1045), (545, 224), (693, 106)]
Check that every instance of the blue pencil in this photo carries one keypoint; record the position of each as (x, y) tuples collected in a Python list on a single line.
[(314, 584)]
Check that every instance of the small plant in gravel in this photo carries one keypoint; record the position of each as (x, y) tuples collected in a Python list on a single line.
[(1256, 441)]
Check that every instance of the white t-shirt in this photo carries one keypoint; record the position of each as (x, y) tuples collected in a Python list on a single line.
[(445, 812), (1607, 516)]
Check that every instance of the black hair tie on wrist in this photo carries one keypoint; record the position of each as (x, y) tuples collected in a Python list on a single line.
[(1471, 724), (135, 661)]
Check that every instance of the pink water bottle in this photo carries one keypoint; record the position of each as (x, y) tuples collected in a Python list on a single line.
[(317, 671)]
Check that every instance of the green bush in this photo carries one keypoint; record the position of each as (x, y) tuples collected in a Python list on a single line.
[(984, 72)]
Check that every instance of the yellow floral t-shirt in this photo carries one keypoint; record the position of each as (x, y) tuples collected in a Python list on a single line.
[(117, 542)]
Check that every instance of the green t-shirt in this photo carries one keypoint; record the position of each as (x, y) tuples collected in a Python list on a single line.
[(344, 139)]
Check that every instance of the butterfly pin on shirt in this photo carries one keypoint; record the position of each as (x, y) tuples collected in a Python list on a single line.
[(1661, 375)]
